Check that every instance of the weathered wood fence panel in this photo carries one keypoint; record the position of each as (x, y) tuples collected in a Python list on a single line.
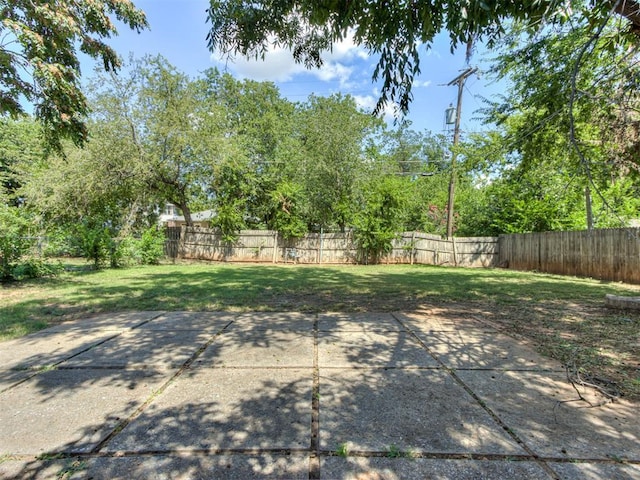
[(172, 242), (611, 254), (329, 248)]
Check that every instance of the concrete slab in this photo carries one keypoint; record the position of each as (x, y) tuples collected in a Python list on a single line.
[(119, 322), (420, 410), (225, 408), (47, 348), (364, 348), (143, 348), (244, 408), (377, 468), (358, 322), (34, 469), (9, 378), (596, 471), (441, 320), (261, 321), (274, 349), (161, 467), (70, 411), (203, 321), (483, 349), (528, 402)]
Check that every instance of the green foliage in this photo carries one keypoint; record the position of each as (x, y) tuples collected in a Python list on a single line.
[(333, 132), (97, 182), (61, 243), (121, 252), (14, 241), (44, 67), (229, 220), (380, 220), (95, 242), (34, 267), (150, 247), (287, 203), (20, 145), (569, 119), (214, 142), (535, 199), (391, 30), (393, 451), (436, 220), (343, 450), (172, 133), (15, 246), (617, 204)]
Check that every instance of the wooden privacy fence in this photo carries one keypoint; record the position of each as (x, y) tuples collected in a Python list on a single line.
[(611, 254), (327, 248)]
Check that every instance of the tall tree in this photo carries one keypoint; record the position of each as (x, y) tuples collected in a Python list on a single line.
[(39, 43), (332, 130), (573, 100), (21, 144), (264, 126), (175, 132), (87, 185)]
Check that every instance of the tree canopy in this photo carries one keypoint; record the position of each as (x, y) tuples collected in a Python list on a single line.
[(572, 106), (394, 30), (39, 46)]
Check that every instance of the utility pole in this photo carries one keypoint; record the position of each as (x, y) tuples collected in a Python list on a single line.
[(459, 80)]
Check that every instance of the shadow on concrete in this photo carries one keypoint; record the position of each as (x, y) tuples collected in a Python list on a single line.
[(234, 401)]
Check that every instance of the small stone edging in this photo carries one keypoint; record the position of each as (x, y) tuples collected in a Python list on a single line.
[(627, 303)]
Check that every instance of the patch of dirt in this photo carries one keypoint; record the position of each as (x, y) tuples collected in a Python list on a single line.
[(596, 344)]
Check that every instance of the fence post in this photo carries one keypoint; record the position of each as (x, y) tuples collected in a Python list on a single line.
[(275, 247), (413, 247), (455, 254)]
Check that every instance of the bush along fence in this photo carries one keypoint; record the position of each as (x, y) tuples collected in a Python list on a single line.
[(327, 248)]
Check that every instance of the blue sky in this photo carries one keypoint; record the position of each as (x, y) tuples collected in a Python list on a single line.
[(178, 32)]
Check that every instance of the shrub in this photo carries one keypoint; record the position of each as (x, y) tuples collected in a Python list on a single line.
[(150, 247), (62, 243), (122, 252), (36, 268), (377, 224), (95, 243)]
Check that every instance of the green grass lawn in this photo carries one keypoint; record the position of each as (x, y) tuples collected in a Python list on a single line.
[(562, 317)]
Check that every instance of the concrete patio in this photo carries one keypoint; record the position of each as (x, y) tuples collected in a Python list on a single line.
[(181, 395)]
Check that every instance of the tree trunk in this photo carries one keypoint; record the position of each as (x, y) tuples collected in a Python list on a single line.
[(587, 198), (186, 213)]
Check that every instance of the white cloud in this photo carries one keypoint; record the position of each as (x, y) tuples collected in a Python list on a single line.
[(346, 49), (368, 103), (278, 64), (335, 72), (421, 83)]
